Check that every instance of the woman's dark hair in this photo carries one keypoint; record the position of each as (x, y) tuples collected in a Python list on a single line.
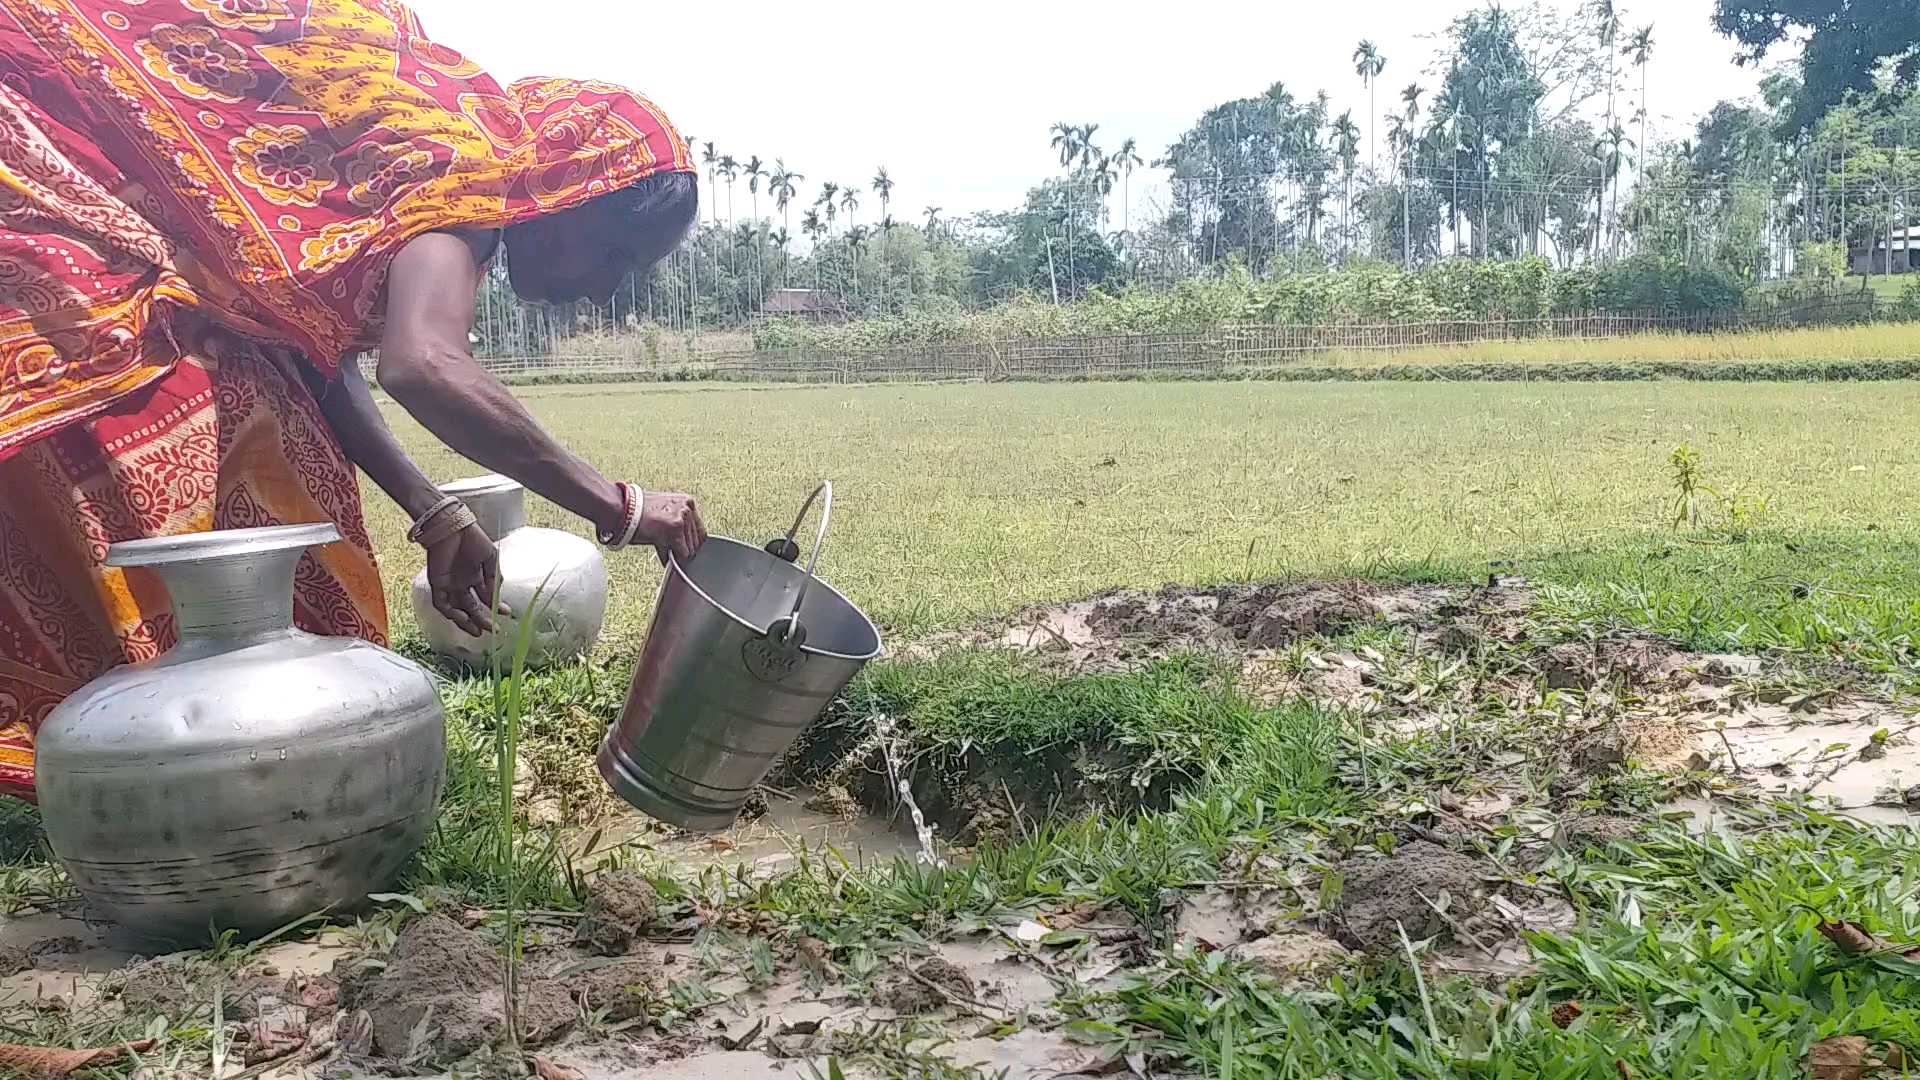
[(661, 208)]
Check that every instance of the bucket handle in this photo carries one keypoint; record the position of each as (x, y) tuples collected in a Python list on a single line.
[(787, 632)]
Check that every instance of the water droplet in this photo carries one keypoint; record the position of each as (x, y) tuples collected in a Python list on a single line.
[(253, 755)]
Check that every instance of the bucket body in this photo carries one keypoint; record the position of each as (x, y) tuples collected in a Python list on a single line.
[(717, 698)]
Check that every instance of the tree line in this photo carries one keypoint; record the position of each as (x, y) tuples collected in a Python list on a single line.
[(1528, 136)]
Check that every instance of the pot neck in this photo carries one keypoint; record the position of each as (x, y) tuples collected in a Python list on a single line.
[(228, 587), (499, 512)]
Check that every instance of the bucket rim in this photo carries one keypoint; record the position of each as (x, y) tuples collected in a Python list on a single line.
[(879, 645)]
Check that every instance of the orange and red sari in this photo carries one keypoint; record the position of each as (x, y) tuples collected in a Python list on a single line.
[(199, 200)]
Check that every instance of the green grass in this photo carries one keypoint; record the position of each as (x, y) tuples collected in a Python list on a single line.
[(958, 502), (1700, 958)]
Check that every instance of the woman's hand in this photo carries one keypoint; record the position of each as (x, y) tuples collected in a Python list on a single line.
[(462, 570), (670, 524)]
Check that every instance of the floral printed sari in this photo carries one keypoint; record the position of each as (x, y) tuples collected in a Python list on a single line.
[(199, 200)]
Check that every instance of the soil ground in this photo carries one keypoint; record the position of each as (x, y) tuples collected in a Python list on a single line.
[(1488, 762)]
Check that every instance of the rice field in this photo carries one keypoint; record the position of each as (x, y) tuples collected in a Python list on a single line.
[(958, 502), (1872, 341)]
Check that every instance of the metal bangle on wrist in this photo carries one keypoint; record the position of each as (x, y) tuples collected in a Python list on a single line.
[(444, 519)]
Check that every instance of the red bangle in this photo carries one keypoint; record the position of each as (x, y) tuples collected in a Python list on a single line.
[(630, 508), (611, 537)]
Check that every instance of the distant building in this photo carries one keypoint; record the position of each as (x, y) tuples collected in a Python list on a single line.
[(1873, 259), (811, 304)]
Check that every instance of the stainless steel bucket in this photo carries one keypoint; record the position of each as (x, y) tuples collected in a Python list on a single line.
[(745, 651)]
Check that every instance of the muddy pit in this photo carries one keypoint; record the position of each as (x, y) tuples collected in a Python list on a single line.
[(1614, 700)]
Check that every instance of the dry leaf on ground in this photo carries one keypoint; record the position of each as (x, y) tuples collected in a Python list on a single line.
[(1849, 938), (52, 1062), (1843, 1057), (548, 1070)]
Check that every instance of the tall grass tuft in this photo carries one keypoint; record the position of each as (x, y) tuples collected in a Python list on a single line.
[(509, 708)]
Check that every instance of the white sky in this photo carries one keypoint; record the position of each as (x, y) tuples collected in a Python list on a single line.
[(957, 102)]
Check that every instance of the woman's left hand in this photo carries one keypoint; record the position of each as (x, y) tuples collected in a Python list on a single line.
[(462, 570)]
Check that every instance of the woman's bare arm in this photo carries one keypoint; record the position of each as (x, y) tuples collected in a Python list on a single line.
[(350, 410), (461, 568), (425, 363)]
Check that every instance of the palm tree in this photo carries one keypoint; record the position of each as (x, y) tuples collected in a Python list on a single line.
[(1368, 63), (1126, 159), (933, 223), (729, 171), (755, 171), (1411, 96), (883, 187), (856, 245), (1103, 183), (828, 191), (815, 229), (850, 202), (1089, 150), (1073, 141), (782, 184), (1346, 145), (710, 159), (1066, 140), (1640, 50), (1090, 156), (1609, 32), (1616, 145)]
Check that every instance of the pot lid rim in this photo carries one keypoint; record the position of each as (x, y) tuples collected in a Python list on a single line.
[(219, 543), (489, 484)]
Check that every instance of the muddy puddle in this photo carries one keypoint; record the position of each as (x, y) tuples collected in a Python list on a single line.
[(796, 823), (1859, 757)]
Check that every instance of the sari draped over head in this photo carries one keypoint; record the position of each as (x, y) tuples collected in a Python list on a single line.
[(199, 200)]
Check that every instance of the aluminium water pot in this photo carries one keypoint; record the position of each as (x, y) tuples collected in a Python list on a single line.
[(559, 577), (253, 773)]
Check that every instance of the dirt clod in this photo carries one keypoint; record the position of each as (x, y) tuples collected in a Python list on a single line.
[(1306, 612), (440, 996), (1380, 896), (1635, 663), (928, 986), (620, 907), (1597, 753), (834, 800), (1590, 831), (182, 988), (1293, 957), (622, 990)]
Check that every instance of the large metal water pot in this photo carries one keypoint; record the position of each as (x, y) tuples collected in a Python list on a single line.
[(253, 773), (744, 652), (564, 572)]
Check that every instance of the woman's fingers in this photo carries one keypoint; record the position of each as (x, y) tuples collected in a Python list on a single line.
[(450, 607), (476, 611)]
